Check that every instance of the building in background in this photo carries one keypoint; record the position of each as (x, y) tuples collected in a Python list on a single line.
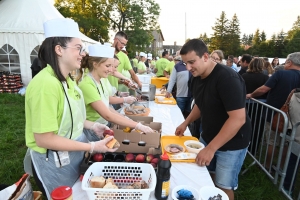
[(156, 47), (171, 48)]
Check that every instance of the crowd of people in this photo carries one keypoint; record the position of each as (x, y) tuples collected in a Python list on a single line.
[(66, 117)]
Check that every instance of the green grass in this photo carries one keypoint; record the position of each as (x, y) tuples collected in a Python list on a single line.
[(253, 185)]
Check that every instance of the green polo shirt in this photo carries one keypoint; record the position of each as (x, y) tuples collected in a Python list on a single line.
[(91, 94), (160, 65), (44, 105), (170, 67)]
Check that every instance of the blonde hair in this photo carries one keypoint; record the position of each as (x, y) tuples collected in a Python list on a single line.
[(220, 54)]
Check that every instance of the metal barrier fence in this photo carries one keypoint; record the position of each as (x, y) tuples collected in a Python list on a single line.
[(267, 147), (290, 169)]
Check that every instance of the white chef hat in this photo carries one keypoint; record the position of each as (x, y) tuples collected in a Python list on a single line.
[(149, 55), (107, 44), (99, 50), (61, 27), (157, 58), (136, 53), (143, 54)]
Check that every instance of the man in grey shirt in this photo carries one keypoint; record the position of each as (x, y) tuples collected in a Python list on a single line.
[(180, 75)]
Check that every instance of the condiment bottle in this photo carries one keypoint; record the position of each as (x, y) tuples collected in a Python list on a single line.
[(163, 177), (62, 193)]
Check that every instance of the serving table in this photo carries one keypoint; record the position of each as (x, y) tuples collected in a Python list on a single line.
[(181, 173)]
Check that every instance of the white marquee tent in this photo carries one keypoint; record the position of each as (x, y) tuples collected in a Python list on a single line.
[(21, 33)]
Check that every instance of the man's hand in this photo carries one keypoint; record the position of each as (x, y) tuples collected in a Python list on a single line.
[(205, 156), (168, 95), (248, 96), (180, 130)]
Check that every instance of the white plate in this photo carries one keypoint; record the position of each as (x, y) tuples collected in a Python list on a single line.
[(210, 191)]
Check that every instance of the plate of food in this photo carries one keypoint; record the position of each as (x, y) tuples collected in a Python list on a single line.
[(137, 110), (174, 148)]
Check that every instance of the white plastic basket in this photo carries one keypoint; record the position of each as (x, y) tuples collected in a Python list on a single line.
[(123, 174)]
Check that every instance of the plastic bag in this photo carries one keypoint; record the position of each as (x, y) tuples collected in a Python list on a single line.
[(21, 190)]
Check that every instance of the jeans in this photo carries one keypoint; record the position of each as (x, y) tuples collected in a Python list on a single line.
[(290, 172), (184, 103), (226, 165)]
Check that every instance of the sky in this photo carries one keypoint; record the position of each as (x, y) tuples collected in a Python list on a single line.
[(267, 15)]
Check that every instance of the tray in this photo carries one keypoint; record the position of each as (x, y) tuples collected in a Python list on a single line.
[(166, 140), (147, 111), (170, 101)]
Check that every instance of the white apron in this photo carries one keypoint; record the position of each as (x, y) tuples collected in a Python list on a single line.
[(50, 175), (104, 98), (104, 94)]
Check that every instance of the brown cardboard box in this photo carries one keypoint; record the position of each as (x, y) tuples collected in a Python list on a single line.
[(152, 140)]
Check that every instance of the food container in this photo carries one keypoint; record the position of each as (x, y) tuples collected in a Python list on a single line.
[(62, 193), (210, 191), (186, 187), (123, 174), (193, 146), (160, 98)]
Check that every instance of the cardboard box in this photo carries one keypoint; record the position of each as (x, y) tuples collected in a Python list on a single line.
[(152, 140)]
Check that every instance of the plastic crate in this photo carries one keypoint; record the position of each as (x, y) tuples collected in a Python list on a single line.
[(123, 174)]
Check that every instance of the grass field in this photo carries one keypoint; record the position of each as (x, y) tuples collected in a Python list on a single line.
[(253, 185)]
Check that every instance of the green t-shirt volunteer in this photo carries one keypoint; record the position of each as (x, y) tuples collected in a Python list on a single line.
[(44, 105), (170, 67), (91, 94), (160, 65), (135, 62), (142, 66)]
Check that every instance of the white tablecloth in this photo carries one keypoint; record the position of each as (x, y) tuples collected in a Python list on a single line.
[(181, 173)]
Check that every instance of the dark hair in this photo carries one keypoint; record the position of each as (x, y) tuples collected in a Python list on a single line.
[(231, 57), (247, 58), (230, 60), (272, 63), (256, 65), (87, 63), (164, 53), (121, 34), (47, 54), (116, 57), (194, 45)]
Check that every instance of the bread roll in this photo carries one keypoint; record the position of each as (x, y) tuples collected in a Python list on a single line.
[(113, 144), (110, 180), (97, 182), (110, 186)]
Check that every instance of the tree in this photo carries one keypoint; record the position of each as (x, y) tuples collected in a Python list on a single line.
[(250, 38), (244, 40), (233, 36), (205, 39), (263, 36), (293, 44), (88, 14), (219, 37), (132, 14), (280, 44), (256, 38)]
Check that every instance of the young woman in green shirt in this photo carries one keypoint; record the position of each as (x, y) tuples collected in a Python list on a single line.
[(95, 87)]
